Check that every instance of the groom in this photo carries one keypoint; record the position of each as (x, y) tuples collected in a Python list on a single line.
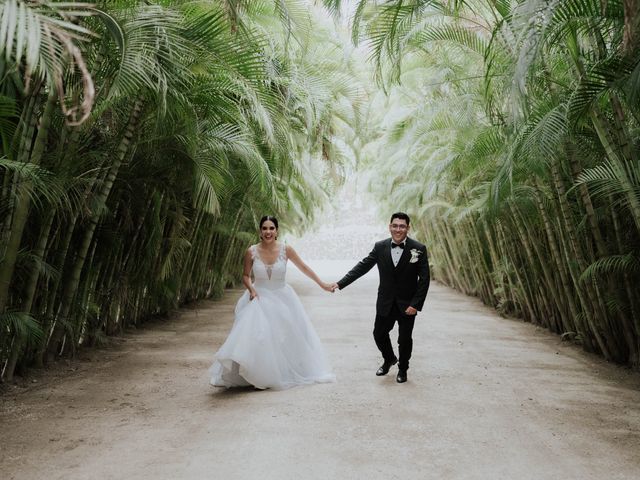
[(404, 280)]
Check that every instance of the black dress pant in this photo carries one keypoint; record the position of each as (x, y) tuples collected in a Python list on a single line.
[(384, 325)]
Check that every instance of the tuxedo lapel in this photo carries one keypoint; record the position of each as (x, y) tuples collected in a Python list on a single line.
[(387, 257), (404, 259)]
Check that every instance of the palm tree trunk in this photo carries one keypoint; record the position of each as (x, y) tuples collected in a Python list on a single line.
[(442, 252), (631, 328), (531, 270), (536, 257), (562, 269), (576, 254), (576, 170), (479, 281), (631, 27), (24, 139), (525, 308), (232, 239), (74, 277), (19, 344), (23, 203)]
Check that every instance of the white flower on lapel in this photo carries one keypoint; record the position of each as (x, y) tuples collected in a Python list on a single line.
[(415, 254)]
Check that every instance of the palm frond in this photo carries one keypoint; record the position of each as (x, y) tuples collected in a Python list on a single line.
[(357, 19), (599, 81), (456, 34), (32, 31), (612, 264), (388, 29), (612, 178), (8, 119), (544, 136), (41, 185), (22, 324)]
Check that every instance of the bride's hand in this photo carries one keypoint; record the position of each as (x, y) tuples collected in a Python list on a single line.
[(252, 294), (327, 287)]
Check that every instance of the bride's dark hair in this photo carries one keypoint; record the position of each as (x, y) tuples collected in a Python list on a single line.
[(269, 218)]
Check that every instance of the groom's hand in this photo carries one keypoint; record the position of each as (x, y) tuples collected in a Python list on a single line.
[(334, 287), (411, 311)]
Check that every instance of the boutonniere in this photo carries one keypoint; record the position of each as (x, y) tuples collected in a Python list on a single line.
[(415, 254)]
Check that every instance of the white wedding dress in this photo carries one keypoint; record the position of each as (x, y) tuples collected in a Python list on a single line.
[(272, 343)]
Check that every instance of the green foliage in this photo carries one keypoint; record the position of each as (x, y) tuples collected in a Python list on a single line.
[(516, 151), (22, 325), (616, 264), (199, 124)]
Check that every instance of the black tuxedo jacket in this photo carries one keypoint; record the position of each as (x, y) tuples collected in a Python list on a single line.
[(406, 284)]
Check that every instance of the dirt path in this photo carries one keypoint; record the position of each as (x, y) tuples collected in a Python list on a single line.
[(487, 398)]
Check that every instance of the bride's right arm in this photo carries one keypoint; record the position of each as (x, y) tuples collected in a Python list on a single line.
[(246, 274)]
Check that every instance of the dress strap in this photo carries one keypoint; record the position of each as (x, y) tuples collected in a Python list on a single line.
[(255, 254)]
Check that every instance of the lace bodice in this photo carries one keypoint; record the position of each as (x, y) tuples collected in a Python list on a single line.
[(269, 276)]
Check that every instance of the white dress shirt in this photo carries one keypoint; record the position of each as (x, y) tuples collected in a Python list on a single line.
[(396, 253)]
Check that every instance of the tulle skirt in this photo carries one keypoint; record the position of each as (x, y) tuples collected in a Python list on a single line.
[(272, 344)]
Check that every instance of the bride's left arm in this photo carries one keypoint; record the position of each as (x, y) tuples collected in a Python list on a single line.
[(304, 268)]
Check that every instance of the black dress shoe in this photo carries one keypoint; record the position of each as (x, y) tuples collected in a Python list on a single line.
[(384, 368), (402, 376)]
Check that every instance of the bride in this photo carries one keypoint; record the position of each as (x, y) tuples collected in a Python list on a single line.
[(272, 343)]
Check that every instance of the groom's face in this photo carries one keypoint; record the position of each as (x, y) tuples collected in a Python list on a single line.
[(398, 229)]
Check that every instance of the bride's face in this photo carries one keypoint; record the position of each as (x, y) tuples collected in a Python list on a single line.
[(268, 231)]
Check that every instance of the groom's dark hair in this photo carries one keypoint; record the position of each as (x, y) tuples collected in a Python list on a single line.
[(401, 216)]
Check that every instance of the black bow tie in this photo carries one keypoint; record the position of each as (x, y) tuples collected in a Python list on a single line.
[(399, 245)]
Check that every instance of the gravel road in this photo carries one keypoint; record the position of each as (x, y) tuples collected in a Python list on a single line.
[(487, 398)]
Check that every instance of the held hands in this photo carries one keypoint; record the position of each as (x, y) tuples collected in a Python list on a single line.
[(328, 287)]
